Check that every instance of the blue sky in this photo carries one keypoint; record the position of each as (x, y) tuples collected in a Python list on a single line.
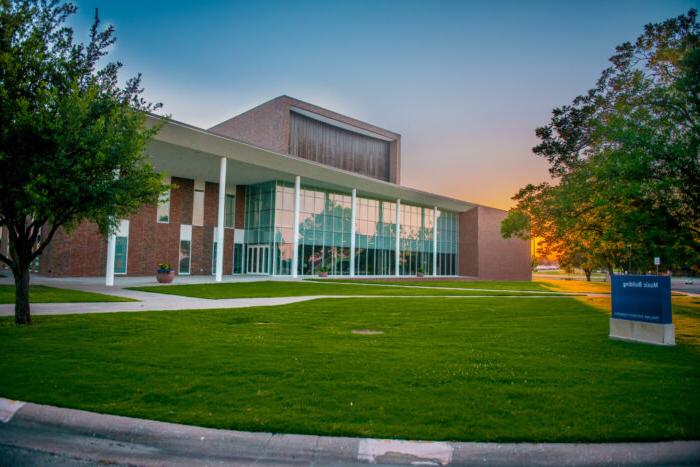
[(465, 83)]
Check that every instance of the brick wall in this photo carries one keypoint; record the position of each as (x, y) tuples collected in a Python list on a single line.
[(483, 253), (267, 126), (239, 222), (469, 243), (83, 252), (152, 243)]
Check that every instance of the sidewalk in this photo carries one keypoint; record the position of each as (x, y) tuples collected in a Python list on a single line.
[(163, 302), (32, 433), (150, 301), (147, 301)]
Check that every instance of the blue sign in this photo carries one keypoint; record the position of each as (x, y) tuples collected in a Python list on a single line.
[(642, 298)]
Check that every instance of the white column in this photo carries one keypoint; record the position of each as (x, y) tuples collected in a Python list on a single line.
[(295, 242), (435, 240), (353, 211), (111, 246), (111, 250), (398, 238), (220, 222)]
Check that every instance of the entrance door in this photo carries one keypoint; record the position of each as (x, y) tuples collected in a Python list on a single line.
[(257, 261)]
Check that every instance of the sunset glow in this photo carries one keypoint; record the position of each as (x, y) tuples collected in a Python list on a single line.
[(464, 83)]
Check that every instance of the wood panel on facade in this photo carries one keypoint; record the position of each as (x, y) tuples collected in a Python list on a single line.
[(327, 144)]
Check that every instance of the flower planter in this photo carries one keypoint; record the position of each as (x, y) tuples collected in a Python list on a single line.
[(165, 277), (322, 274), (420, 274)]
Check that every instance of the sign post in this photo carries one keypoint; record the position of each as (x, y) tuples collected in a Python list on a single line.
[(641, 309), (657, 261)]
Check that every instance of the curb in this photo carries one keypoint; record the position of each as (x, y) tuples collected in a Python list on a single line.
[(82, 435)]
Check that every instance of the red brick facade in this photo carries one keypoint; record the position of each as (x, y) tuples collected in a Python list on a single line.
[(483, 253), (84, 251)]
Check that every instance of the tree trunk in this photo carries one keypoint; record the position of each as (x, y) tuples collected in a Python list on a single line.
[(22, 315), (588, 272)]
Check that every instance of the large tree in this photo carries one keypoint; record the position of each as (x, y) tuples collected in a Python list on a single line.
[(72, 139), (624, 158)]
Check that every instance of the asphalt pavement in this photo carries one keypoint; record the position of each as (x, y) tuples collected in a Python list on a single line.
[(32, 434)]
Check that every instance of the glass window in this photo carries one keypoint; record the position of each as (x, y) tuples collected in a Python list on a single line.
[(185, 249), (447, 240), (198, 206), (214, 251), (120, 252), (184, 264), (213, 257), (229, 211), (163, 211), (324, 232), (238, 258)]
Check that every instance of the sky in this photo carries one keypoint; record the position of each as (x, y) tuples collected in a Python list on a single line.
[(465, 83)]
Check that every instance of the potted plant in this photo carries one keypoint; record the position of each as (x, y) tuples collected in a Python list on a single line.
[(165, 274), (323, 271), (420, 272)]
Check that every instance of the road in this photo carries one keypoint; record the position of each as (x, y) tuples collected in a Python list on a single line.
[(32, 434), (686, 284)]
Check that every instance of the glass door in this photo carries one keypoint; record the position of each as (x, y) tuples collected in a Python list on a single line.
[(257, 260)]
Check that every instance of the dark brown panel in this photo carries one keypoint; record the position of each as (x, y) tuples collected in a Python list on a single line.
[(330, 145)]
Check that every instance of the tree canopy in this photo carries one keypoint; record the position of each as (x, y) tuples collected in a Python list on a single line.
[(624, 160), (72, 138)]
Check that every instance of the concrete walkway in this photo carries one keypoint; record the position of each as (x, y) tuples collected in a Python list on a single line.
[(164, 302), (150, 301), (32, 434)]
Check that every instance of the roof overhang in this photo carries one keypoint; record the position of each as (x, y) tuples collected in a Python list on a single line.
[(183, 150)]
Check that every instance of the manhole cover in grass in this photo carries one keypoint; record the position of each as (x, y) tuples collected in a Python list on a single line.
[(366, 332)]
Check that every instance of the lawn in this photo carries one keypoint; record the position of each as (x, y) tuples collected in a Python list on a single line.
[(312, 288), (570, 286), (478, 369), (44, 294)]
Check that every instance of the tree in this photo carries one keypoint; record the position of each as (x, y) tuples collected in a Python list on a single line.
[(72, 139), (624, 158)]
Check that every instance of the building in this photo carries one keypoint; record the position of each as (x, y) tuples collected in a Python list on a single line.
[(291, 189)]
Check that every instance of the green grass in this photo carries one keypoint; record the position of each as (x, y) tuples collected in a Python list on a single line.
[(495, 285), (482, 369), (302, 288), (535, 286), (44, 294)]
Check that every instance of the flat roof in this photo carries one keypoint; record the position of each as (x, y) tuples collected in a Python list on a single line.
[(184, 150)]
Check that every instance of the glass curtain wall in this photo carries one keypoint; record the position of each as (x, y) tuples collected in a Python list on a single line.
[(260, 220), (324, 233), (284, 229), (447, 243), (416, 240), (375, 237)]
